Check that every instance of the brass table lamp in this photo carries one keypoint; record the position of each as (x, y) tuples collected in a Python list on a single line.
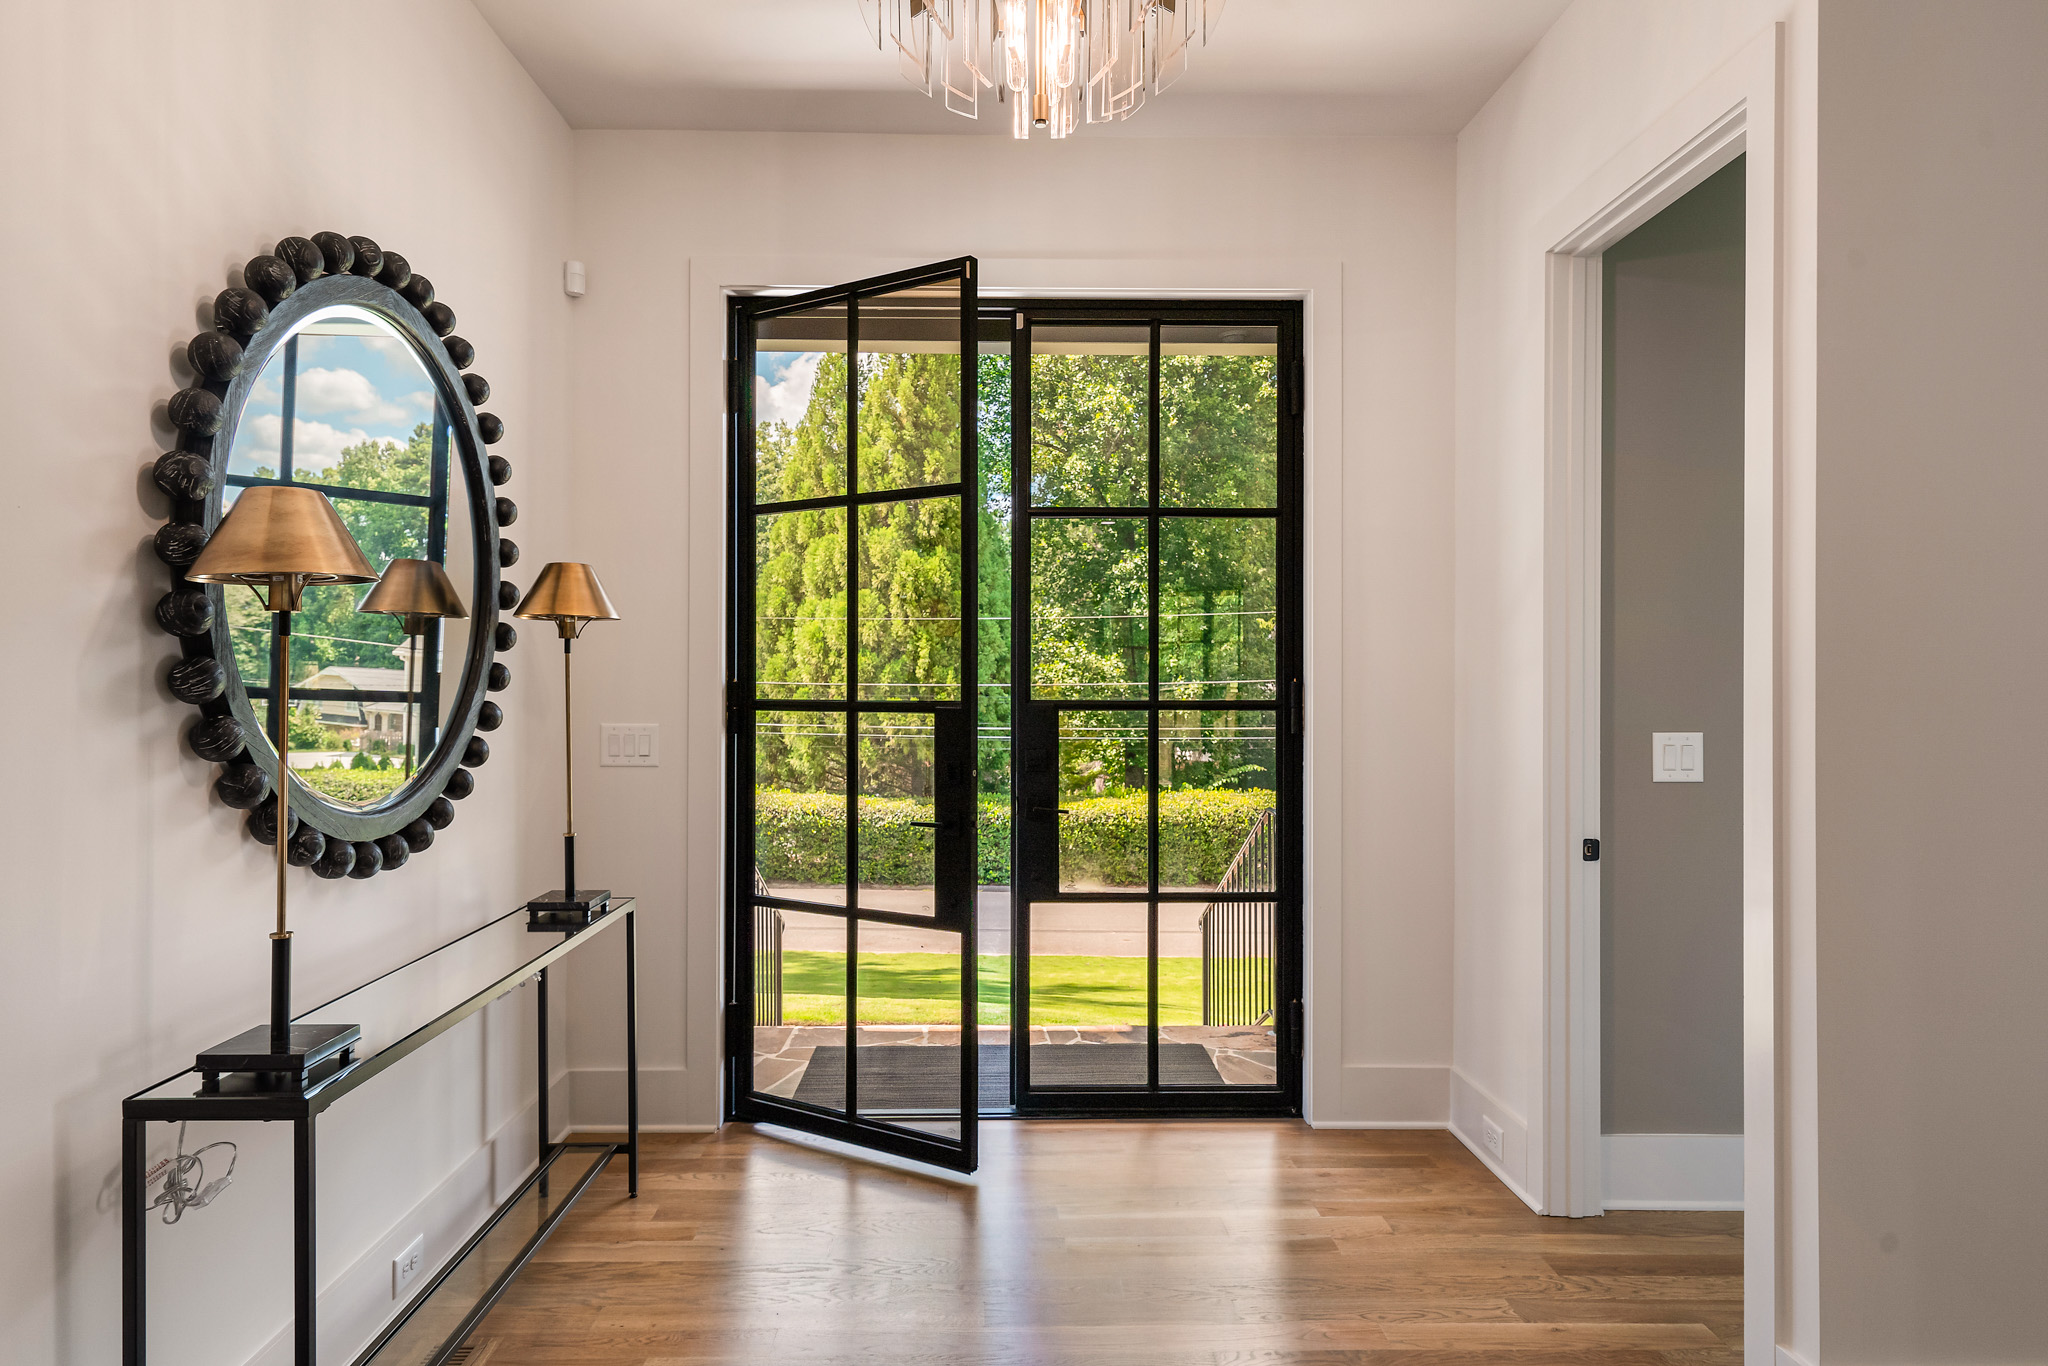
[(570, 596), (280, 538), (416, 592)]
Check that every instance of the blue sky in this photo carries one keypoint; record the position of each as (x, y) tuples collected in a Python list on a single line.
[(351, 389), (783, 381)]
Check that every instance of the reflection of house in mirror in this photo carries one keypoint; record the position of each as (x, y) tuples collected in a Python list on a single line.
[(362, 722)]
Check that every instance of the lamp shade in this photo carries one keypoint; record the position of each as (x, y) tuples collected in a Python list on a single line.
[(414, 588), (568, 593), (281, 531)]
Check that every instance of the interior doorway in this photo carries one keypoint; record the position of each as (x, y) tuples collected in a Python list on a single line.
[(1671, 704), (1015, 710)]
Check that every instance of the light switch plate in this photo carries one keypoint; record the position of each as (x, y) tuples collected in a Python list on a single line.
[(1678, 756), (629, 744)]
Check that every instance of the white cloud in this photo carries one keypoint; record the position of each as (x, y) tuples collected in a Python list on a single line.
[(350, 394), (315, 445), (391, 348), (787, 400)]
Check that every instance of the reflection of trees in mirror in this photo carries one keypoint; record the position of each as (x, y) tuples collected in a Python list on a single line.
[(329, 631)]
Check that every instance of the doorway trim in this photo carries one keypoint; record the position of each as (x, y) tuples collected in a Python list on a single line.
[(1362, 1093), (1733, 113)]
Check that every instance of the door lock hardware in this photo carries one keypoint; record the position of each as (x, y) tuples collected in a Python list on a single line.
[(1590, 851)]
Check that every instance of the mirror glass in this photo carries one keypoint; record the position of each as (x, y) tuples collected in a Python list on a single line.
[(347, 404)]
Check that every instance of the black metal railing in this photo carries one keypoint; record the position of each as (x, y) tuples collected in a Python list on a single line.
[(767, 958), (1237, 936)]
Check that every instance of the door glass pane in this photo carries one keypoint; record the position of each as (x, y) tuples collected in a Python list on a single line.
[(1232, 1018), (1104, 842), (1089, 625), (800, 405), (1090, 424), (898, 757), (908, 1044), (1217, 779), (910, 600), (800, 604), (910, 387), (1090, 1002), (799, 1004), (1218, 608), (800, 806), (1219, 416)]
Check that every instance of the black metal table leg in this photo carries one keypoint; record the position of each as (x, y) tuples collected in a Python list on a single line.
[(305, 1289), (544, 1130), (134, 1244), (632, 1060)]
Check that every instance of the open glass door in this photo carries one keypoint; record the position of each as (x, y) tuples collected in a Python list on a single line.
[(851, 1012)]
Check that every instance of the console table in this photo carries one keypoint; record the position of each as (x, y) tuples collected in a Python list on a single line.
[(400, 1013)]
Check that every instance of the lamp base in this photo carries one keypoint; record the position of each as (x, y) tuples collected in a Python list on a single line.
[(315, 1053), (556, 911)]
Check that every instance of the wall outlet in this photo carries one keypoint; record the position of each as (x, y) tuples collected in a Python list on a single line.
[(629, 745), (407, 1264), (1489, 1134)]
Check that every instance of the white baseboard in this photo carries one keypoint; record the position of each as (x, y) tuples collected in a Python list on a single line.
[(1500, 1173), (1672, 1171), (1471, 1107), (356, 1302), (672, 1100), (1377, 1095)]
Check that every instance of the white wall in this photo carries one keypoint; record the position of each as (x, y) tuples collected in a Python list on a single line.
[(1372, 217), (146, 151), (1932, 807), (1595, 83)]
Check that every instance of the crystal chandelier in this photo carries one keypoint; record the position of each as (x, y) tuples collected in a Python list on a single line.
[(1056, 63)]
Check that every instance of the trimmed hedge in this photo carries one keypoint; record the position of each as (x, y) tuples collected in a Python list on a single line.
[(801, 837), (353, 784)]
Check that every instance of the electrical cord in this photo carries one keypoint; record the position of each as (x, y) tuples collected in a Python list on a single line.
[(185, 1184)]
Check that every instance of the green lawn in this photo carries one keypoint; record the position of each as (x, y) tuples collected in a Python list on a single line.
[(924, 988)]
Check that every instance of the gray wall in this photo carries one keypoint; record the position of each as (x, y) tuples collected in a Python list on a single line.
[(1671, 853), (1932, 605)]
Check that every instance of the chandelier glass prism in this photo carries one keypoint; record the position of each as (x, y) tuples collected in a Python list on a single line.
[(1056, 64)]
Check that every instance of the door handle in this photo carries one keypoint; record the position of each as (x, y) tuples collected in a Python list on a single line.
[(1048, 810), (927, 825)]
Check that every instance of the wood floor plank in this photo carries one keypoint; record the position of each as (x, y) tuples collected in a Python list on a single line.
[(1112, 1244)]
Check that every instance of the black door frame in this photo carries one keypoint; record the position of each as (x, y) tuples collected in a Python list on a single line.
[(1289, 989), (955, 854)]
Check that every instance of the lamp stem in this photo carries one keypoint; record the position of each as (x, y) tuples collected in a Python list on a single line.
[(281, 938), (568, 774), (412, 656)]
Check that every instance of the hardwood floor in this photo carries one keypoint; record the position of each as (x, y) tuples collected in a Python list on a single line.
[(1111, 1243)]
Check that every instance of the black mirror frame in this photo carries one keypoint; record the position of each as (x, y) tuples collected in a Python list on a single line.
[(250, 324)]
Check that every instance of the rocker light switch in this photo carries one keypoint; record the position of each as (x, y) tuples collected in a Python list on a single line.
[(630, 745), (1678, 756)]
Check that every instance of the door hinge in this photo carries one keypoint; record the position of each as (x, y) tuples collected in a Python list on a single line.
[(1299, 1022), (1300, 384), (1297, 714), (734, 391)]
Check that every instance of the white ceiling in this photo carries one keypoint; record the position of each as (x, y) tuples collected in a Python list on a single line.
[(1274, 66)]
